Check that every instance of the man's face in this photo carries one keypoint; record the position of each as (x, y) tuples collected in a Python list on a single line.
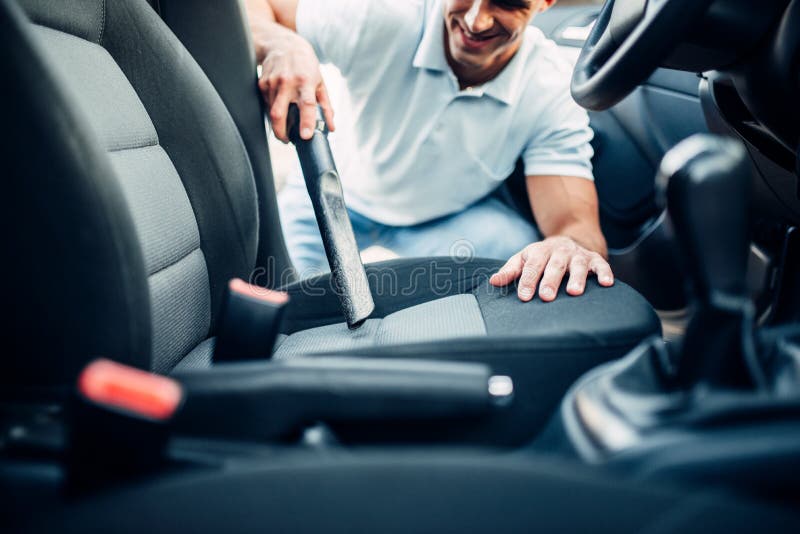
[(482, 32)]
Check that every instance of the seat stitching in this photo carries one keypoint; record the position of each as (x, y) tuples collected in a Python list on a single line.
[(135, 147), (102, 21), (177, 261)]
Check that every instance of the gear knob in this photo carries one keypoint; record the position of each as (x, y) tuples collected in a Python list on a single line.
[(705, 180)]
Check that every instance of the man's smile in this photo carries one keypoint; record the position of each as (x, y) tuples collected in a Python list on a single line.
[(482, 35), (476, 42)]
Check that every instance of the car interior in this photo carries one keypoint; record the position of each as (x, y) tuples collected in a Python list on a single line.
[(162, 373)]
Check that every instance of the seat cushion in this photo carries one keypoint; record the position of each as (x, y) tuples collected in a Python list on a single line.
[(452, 299), (454, 317), (440, 320)]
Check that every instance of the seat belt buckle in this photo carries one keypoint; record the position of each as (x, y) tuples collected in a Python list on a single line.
[(250, 322), (120, 422)]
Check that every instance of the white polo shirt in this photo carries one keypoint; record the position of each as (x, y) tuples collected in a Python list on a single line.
[(421, 148)]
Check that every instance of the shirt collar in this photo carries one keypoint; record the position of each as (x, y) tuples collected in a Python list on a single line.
[(430, 55), (430, 52)]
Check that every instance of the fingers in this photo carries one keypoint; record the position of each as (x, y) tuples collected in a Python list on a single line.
[(278, 111), (308, 110), (602, 269), (269, 87), (281, 90), (290, 73), (578, 271), (545, 265), (264, 86), (527, 266), (535, 260), (554, 273), (508, 272), (325, 102)]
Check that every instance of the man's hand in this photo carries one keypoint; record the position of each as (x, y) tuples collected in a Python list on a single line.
[(290, 74), (566, 209), (544, 265), (290, 70)]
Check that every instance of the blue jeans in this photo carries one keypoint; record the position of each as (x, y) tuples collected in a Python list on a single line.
[(487, 229)]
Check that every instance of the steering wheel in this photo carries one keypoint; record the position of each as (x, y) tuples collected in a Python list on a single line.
[(628, 42)]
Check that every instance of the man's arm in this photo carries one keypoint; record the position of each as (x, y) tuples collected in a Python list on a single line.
[(290, 70), (566, 210), (264, 12)]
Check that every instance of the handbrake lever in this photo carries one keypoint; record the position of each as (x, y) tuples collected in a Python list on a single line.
[(121, 419), (270, 401), (325, 189)]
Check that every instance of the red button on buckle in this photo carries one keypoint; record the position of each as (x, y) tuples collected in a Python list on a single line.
[(112, 384)]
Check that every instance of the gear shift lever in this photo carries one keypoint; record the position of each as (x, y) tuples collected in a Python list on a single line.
[(664, 412), (706, 181)]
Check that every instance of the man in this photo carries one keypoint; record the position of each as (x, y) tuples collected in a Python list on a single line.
[(446, 95)]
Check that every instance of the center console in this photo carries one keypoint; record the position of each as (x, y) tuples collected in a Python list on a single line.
[(723, 406)]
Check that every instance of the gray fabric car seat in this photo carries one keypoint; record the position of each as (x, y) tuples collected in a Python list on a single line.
[(135, 203)]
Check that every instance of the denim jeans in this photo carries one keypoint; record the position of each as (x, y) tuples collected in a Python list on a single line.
[(487, 229)]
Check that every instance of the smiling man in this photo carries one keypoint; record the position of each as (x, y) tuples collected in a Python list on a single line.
[(447, 95)]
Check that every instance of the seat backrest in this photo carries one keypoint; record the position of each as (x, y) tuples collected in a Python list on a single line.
[(132, 195), (218, 37)]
